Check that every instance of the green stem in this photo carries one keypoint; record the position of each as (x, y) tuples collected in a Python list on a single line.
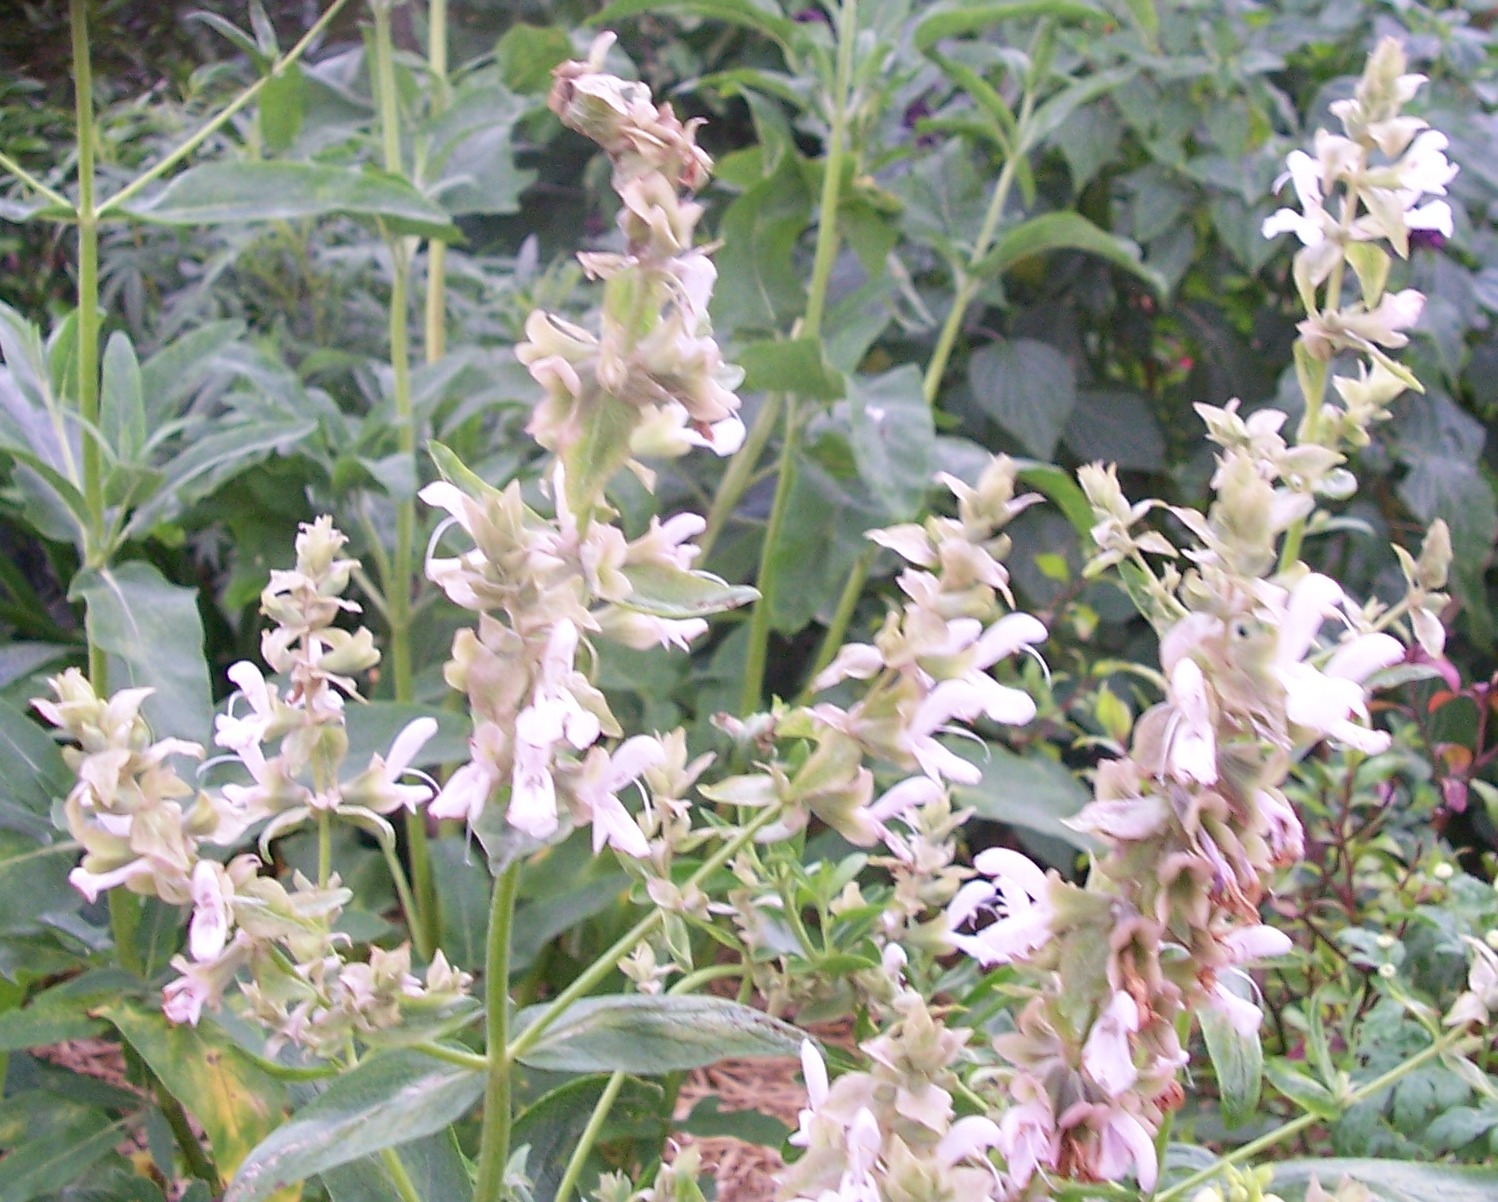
[(88, 287), (494, 1138), (399, 1178), (324, 848), (589, 1137), (36, 185), (759, 622), (224, 115), (463, 1059), (198, 1162), (740, 473), (809, 327), (837, 630), (626, 943), (398, 585), (424, 949), (967, 284), (1362, 1093), (435, 342)]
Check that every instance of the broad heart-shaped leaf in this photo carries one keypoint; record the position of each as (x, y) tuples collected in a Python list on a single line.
[(153, 635), (791, 365), (664, 591), (892, 434), (1391, 1180), (232, 192), (388, 1100), (236, 1103), (758, 15), (1116, 427), (648, 1035), (434, 1165), (1031, 792), (1028, 387), (34, 774), (1237, 1059), (953, 19), (1065, 231)]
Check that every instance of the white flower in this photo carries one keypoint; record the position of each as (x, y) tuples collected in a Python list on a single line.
[(595, 791), (1192, 751), (1018, 892), (212, 898), (464, 794), (1107, 1055)]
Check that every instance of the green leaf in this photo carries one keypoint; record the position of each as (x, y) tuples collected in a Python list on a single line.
[(1308, 1094), (539, 922), (386, 1101), (39, 1025), (1391, 1180), (527, 53), (956, 18), (751, 1126), (434, 1165), (172, 374), (282, 100), (648, 1035), (153, 635), (664, 591), (759, 286), (1237, 1059), (757, 15), (43, 1165), (122, 401), (553, 1126), (1031, 791), (794, 365), (1028, 387), (1065, 231), (373, 727), (893, 438), (602, 450), (34, 773), (242, 191), (236, 1103), (1061, 488), (34, 889), (210, 460), (1115, 427)]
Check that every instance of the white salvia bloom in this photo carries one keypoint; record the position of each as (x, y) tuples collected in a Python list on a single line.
[(1107, 1055), (1018, 892)]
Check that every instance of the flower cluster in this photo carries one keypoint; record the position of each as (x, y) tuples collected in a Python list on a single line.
[(128, 810), (544, 586), (891, 1133), (653, 376)]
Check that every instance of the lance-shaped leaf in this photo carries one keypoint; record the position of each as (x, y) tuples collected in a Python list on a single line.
[(664, 591), (1391, 1180), (388, 1100), (1238, 1059), (758, 15), (637, 1033), (236, 1103), (955, 19), (132, 613), (228, 193), (1065, 231)]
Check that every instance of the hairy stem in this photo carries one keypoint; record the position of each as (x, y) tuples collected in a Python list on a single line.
[(398, 586), (810, 327), (494, 1139), (435, 341)]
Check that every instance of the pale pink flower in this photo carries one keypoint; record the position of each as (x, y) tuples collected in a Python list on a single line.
[(1028, 1137), (212, 900), (596, 789), (1107, 1055), (1018, 893)]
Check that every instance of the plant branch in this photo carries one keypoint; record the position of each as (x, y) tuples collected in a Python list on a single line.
[(1361, 1094), (217, 122), (36, 185), (626, 943), (494, 1139), (589, 1137)]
